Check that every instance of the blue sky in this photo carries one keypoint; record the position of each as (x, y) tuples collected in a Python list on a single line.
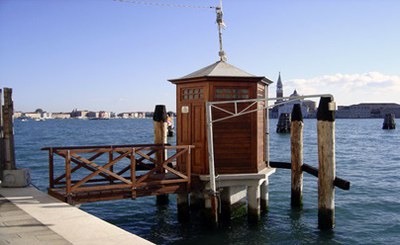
[(109, 55)]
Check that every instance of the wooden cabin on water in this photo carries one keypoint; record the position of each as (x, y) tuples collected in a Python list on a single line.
[(239, 142)]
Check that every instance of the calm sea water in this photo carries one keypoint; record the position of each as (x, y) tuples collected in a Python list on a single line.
[(366, 155)]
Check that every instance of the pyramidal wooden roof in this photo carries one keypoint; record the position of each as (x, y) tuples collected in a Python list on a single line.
[(221, 69)]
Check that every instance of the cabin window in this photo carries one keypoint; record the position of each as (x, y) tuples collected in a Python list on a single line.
[(192, 94), (232, 93)]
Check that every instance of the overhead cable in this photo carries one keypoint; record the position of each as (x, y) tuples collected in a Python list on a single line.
[(166, 4)]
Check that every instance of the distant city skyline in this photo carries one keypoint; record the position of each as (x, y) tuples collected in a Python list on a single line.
[(118, 56)]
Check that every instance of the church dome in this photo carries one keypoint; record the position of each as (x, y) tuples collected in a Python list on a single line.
[(295, 94)]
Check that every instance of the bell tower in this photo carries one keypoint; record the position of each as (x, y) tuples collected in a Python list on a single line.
[(279, 89)]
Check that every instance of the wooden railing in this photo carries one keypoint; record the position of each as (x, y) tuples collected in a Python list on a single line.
[(137, 170)]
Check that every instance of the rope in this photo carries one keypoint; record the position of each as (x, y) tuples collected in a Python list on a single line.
[(166, 4)]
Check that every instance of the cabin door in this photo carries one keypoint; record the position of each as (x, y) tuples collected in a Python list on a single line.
[(192, 132)]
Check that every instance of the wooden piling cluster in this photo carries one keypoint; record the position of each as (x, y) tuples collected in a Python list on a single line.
[(7, 152), (283, 126), (327, 179), (389, 122)]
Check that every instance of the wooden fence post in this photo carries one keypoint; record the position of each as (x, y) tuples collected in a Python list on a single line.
[(8, 131), (296, 139), (326, 164), (2, 153), (160, 137), (68, 177)]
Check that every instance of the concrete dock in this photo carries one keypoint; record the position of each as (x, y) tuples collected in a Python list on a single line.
[(29, 216)]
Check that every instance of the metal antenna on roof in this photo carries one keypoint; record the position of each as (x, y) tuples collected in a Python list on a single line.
[(221, 25)]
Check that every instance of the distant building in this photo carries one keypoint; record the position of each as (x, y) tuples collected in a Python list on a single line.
[(33, 115), (92, 114), (17, 114), (98, 114), (79, 114), (368, 110), (308, 107), (46, 115), (127, 115), (104, 114), (61, 115)]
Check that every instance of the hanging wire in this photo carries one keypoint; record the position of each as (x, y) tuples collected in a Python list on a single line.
[(166, 4), (220, 22)]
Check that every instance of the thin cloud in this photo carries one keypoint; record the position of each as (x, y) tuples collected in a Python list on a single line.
[(350, 88)]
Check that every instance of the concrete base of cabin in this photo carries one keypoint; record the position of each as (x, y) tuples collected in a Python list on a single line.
[(238, 193), (16, 178), (182, 201), (233, 202)]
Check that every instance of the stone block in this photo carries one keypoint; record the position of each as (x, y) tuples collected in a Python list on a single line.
[(16, 178)]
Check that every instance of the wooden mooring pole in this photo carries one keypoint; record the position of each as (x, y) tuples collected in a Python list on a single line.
[(8, 131), (160, 137), (296, 139), (326, 164), (1, 137), (9, 174)]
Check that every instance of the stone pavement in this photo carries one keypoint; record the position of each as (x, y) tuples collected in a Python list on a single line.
[(18, 227), (29, 216)]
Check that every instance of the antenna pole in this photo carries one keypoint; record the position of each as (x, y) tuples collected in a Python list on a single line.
[(221, 25)]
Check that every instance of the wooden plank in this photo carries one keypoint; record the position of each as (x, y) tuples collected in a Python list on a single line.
[(114, 147), (162, 190), (100, 187), (160, 182)]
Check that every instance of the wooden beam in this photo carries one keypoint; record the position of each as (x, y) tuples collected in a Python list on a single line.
[(284, 165), (338, 182)]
